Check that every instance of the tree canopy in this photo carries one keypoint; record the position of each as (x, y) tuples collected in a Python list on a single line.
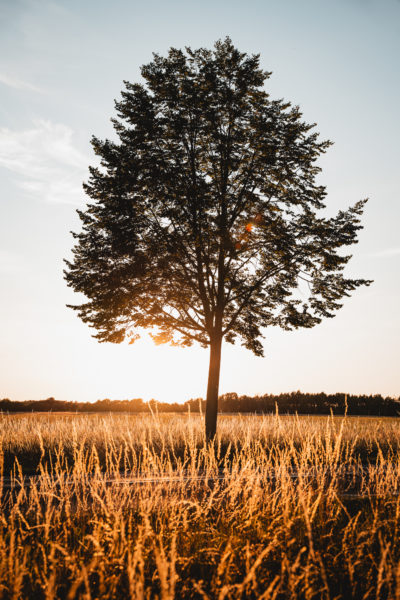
[(205, 215)]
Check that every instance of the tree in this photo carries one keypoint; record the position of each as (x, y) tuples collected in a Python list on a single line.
[(205, 215)]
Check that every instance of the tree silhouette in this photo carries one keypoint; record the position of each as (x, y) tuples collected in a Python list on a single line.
[(204, 216)]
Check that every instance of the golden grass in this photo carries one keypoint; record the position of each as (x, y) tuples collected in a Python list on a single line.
[(138, 507)]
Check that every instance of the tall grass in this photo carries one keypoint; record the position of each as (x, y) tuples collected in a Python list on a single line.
[(139, 507)]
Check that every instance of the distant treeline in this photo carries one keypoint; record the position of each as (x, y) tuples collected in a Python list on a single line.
[(294, 402)]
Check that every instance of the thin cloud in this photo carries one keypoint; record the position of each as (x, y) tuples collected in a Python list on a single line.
[(19, 84), (45, 161), (387, 253)]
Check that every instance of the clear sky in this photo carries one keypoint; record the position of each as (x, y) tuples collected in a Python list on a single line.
[(62, 64)]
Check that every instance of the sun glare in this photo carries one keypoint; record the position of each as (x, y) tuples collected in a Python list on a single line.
[(166, 373)]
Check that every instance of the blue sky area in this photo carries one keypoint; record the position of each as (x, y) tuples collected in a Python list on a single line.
[(62, 64)]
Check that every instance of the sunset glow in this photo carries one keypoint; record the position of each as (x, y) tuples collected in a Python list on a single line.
[(199, 307)]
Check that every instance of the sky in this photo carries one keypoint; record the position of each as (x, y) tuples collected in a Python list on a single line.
[(62, 65)]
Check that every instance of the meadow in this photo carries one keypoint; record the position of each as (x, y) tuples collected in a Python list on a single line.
[(119, 506)]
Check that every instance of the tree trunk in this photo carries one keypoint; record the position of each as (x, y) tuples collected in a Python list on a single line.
[(213, 387)]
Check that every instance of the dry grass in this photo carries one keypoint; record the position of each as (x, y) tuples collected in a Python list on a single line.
[(265, 512)]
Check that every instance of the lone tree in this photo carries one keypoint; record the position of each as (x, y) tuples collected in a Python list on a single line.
[(204, 215)]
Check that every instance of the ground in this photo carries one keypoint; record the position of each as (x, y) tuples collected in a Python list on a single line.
[(122, 506)]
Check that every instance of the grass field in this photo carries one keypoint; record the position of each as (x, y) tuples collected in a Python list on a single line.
[(138, 507)]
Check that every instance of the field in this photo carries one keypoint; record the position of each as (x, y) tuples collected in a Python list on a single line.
[(139, 507)]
